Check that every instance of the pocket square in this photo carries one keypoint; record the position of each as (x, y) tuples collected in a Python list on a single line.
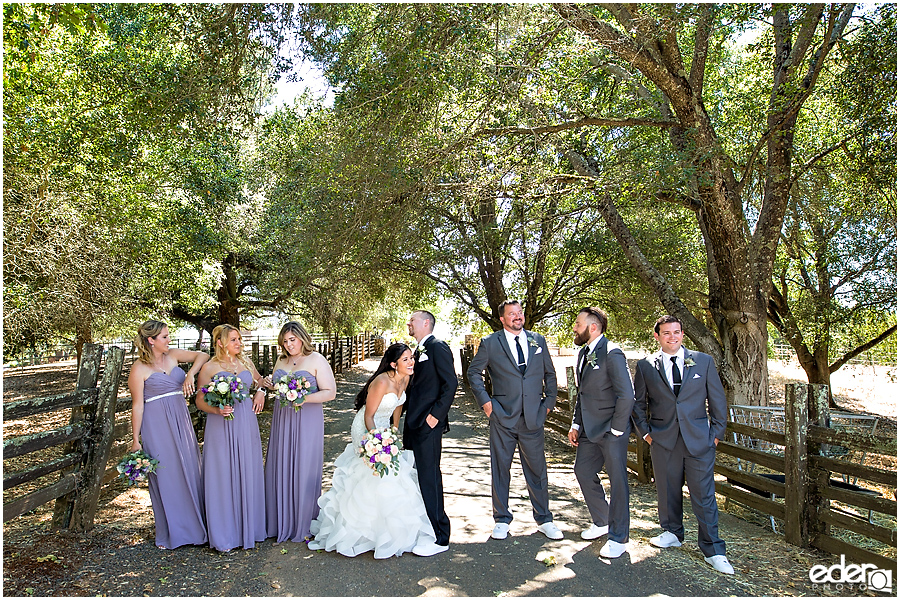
[(596, 367), (539, 350), (696, 376), (423, 357)]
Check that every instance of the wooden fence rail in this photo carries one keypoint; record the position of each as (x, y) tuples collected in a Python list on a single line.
[(341, 352), (801, 485), (87, 439)]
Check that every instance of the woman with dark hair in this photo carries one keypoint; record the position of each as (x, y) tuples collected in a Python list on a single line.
[(161, 426), (363, 511), (296, 442)]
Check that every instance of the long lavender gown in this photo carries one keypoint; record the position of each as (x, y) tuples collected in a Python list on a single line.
[(176, 490), (233, 477), (294, 467)]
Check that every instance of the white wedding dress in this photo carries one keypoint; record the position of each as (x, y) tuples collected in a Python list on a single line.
[(363, 511)]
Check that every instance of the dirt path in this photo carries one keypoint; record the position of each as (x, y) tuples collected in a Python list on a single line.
[(118, 557)]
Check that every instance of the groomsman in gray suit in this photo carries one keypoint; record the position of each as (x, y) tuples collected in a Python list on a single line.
[(600, 427), (681, 393), (524, 393)]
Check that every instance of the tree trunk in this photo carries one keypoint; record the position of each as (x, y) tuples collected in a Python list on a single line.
[(227, 294)]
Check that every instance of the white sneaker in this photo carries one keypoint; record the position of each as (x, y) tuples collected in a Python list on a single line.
[(429, 549), (613, 549), (551, 530), (594, 531), (720, 564), (666, 539), (501, 530)]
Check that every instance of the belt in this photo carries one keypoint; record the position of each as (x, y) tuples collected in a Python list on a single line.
[(163, 396)]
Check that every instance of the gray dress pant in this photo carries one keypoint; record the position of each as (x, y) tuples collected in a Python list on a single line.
[(530, 443)]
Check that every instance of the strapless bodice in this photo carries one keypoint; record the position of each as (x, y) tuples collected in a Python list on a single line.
[(160, 383), (389, 402)]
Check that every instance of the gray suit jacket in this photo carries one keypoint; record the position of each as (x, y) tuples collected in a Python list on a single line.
[(605, 397), (699, 411), (515, 394)]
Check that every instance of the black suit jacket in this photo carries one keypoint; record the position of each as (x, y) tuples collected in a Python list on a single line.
[(432, 387)]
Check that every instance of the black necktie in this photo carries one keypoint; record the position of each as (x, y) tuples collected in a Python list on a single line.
[(522, 364), (676, 376), (582, 362)]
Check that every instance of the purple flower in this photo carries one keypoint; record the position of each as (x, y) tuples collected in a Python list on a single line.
[(234, 386), (292, 385), (372, 460), (377, 436)]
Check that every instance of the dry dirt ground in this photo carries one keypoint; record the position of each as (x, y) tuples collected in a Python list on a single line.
[(118, 557)]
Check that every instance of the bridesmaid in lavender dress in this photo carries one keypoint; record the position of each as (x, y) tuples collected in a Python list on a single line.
[(232, 463), (296, 443), (161, 426)]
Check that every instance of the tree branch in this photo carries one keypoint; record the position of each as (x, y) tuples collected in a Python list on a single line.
[(570, 125), (860, 349)]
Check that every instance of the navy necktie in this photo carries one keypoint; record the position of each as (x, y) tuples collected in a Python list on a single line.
[(522, 364), (676, 376)]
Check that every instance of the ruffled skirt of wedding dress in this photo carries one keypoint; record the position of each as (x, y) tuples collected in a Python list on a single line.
[(363, 511)]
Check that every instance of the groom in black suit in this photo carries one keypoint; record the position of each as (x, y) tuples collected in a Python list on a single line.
[(428, 401)]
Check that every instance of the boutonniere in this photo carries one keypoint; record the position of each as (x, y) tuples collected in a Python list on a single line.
[(532, 342), (592, 359), (689, 362), (421, 349)]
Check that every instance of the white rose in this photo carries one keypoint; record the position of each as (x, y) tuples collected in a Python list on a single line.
[(291, 395), (222, 387), (282, 388), (384, 459)]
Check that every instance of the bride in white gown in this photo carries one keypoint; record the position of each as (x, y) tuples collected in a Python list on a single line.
[(363, 511)]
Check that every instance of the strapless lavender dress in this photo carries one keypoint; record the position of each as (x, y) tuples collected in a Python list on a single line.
[(233, 477), (294, 467), (176, 490)]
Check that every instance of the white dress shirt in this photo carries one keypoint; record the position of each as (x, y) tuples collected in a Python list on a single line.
[(511, 340), (667, 364), (421, 344)]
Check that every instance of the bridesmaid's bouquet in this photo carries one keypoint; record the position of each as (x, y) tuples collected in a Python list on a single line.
[(136, 467), (224, 390), (381, 450), (291, 389)]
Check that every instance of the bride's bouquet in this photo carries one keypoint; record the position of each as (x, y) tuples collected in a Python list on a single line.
[(290, 389), (224, 390), (136, 467), (381, 450)]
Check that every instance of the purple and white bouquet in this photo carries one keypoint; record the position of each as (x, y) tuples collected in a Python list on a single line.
[(381, 450), (291, 389), (136, 467), (224, 390)]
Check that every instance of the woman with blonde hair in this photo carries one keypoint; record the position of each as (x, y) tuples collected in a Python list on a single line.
[(296, 442), (161, 426), (232, 462)]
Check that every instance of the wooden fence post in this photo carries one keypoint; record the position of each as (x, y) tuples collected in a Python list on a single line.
[(573, 389), (88, 373), (819, 414), (796, 465), (101, 439)]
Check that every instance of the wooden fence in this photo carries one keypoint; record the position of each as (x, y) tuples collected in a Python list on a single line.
[(341, 352), (812, 503), (86, 440)]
